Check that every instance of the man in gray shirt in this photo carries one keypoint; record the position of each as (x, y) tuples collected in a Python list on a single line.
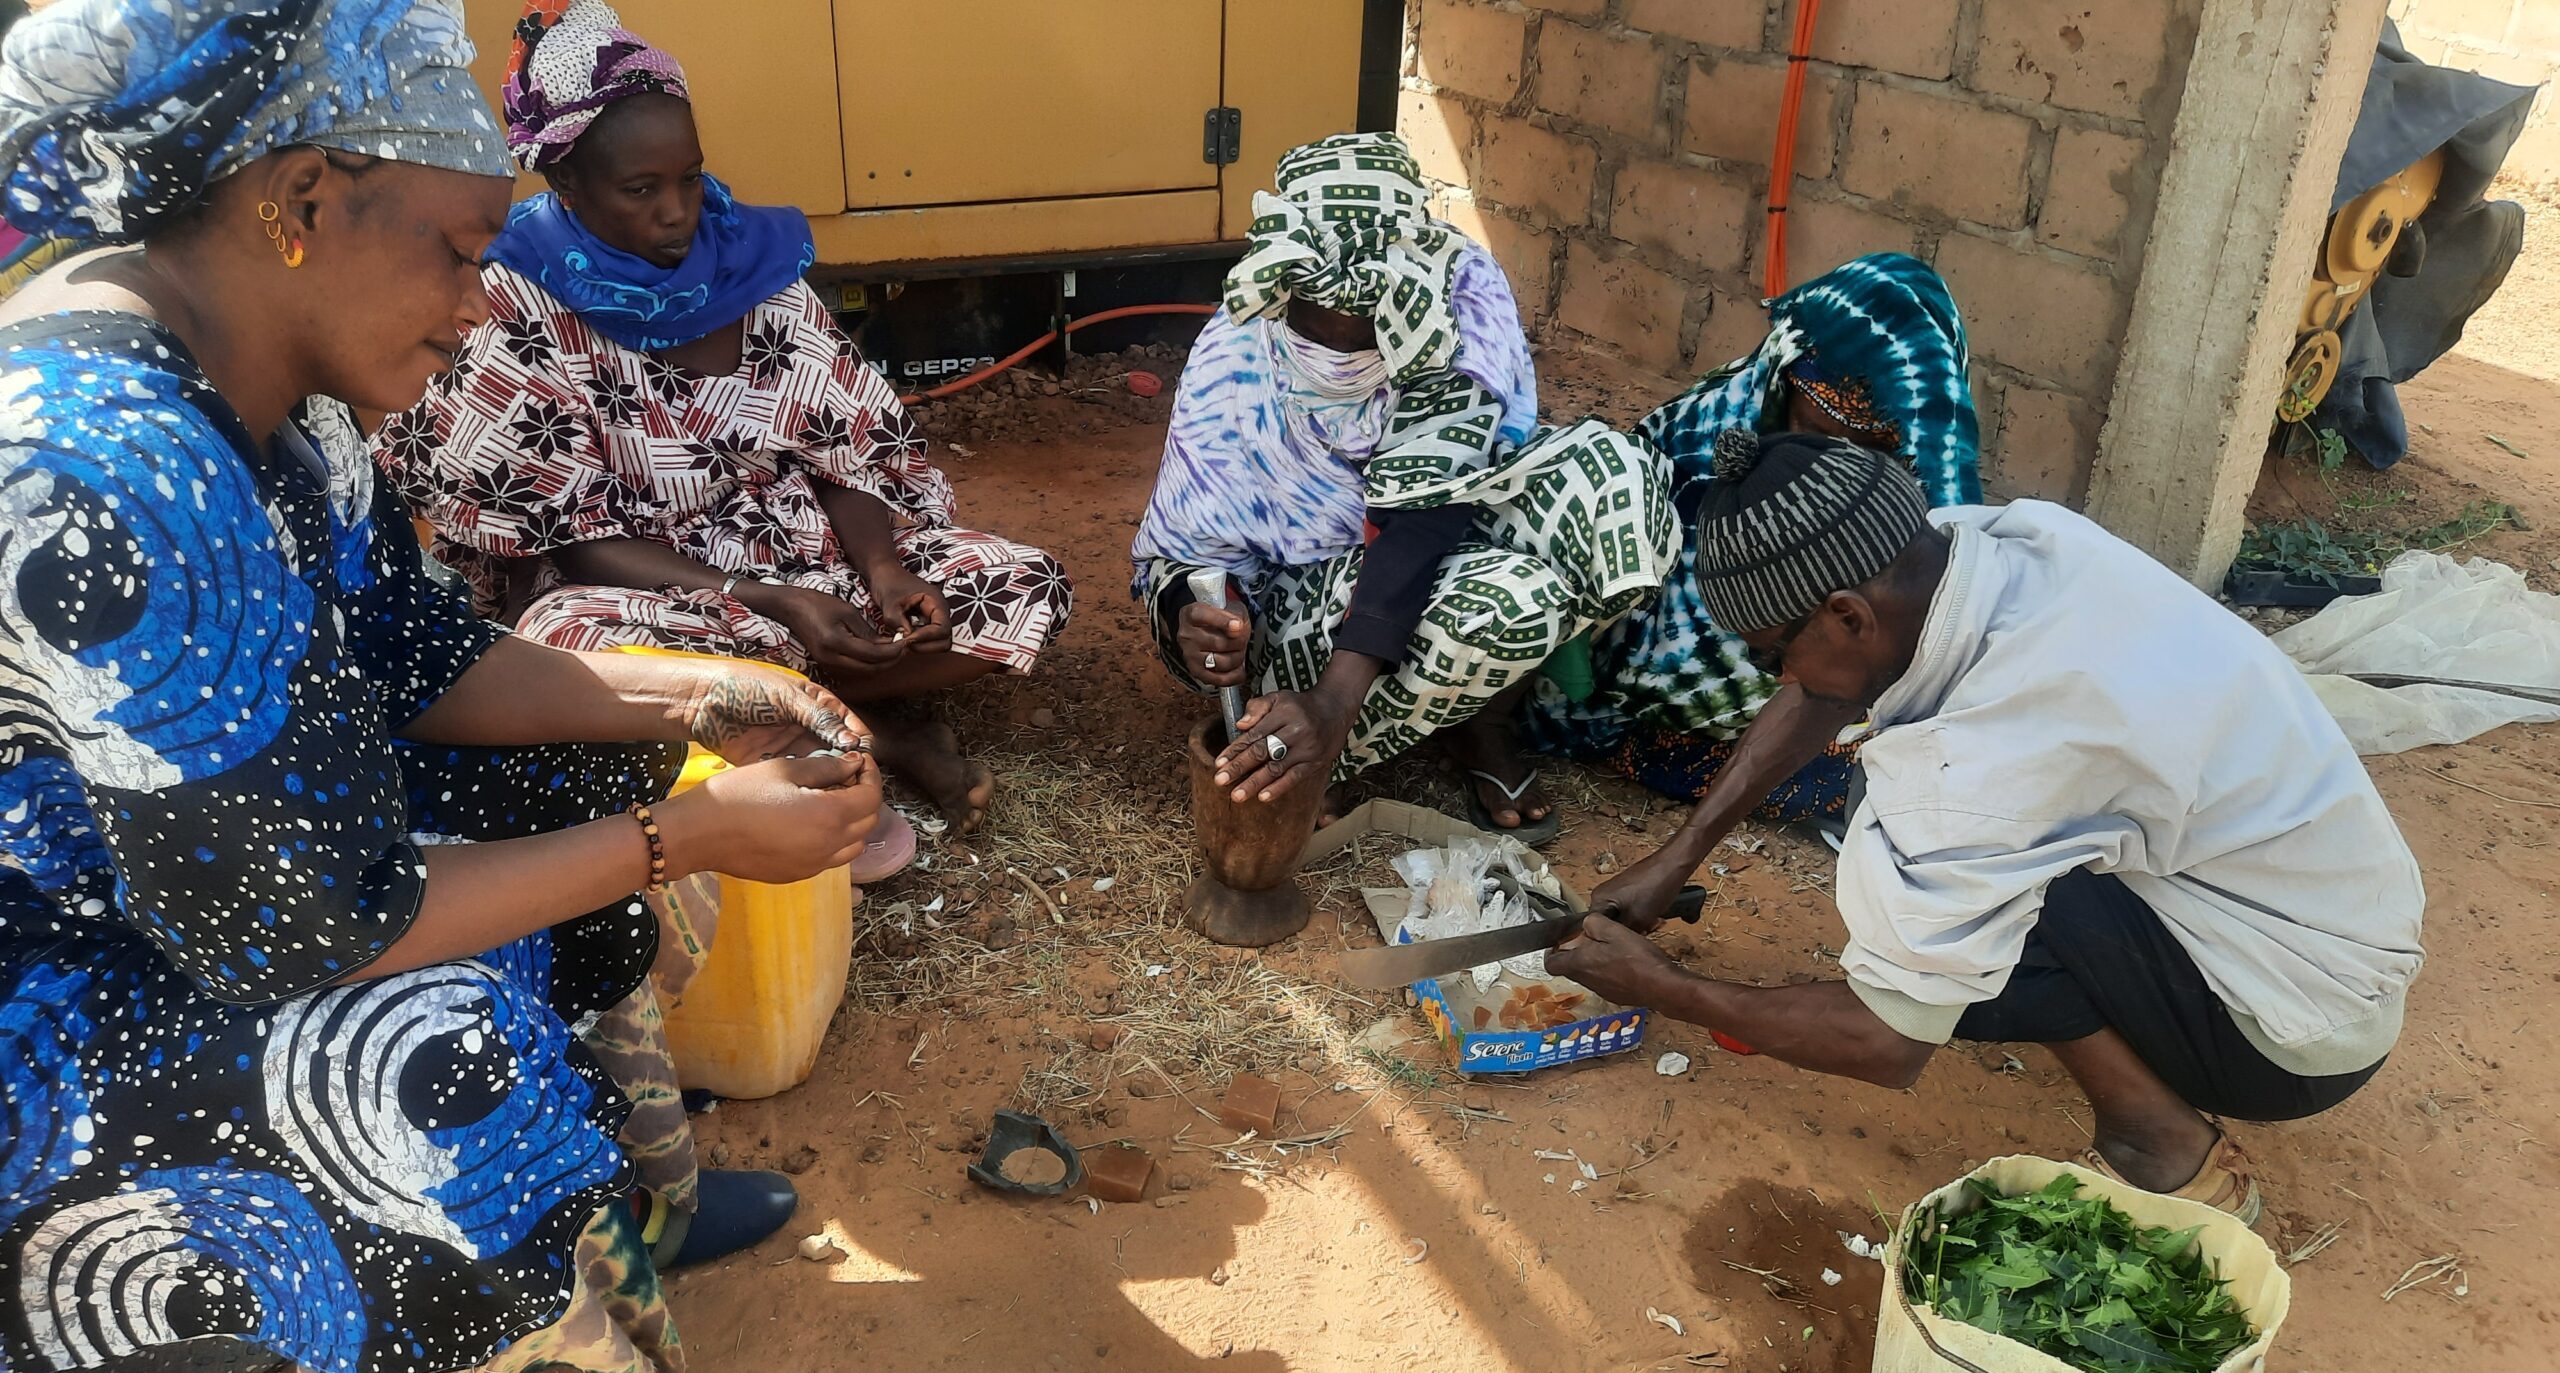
[(2100, 814)]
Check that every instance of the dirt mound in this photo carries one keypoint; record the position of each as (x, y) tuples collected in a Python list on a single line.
[(1097, 394)]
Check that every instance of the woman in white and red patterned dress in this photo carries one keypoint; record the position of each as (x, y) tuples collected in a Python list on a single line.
[(661, 437)]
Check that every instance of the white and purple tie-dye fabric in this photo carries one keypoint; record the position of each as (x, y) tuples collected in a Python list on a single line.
[(1262, 472)]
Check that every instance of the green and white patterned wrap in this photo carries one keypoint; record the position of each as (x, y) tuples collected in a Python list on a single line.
[(1576, 531), (1350, 231)]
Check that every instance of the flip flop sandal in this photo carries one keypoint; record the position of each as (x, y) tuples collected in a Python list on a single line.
[(2226, 1182), (887, 853), (1533, 833)]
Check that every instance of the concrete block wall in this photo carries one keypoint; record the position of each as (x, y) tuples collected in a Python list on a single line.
[(1614, 154), (2508, 40)]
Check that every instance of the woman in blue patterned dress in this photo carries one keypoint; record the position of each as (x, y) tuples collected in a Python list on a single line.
[(1872, 351), (290, 1072)]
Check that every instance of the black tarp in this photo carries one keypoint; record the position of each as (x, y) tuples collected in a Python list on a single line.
[(2407, 322)]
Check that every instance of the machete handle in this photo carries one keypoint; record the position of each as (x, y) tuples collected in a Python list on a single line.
[(1687, 905)]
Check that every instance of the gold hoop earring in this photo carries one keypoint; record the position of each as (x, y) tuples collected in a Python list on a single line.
[(271, 215)]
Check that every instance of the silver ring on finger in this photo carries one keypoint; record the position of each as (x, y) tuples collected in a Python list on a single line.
[(1276, 746)]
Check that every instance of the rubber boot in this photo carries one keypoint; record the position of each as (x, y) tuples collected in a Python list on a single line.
[(735, 1209)]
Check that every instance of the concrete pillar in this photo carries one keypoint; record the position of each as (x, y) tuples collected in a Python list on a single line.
[(2271, 95)]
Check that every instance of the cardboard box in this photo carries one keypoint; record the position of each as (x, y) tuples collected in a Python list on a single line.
[(1449, 1003)]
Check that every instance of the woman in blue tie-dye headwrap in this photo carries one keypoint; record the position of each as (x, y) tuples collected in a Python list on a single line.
[(288, 1066), (1872, 351)]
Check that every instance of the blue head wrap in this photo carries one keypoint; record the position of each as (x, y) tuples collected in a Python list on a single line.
[(116, 115)]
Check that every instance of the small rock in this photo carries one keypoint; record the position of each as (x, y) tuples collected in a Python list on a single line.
[(1101, 1038), (1044, 718), (1180, 1182), (1477, 1100), (820, 1249), (800, 1160), (874, 1153), (1310, 1063)]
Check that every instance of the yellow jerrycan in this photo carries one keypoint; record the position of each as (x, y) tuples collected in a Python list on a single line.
[(751, 1022)]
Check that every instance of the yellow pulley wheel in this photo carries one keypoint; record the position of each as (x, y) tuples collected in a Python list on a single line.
[(2308, 377), (2361, 236), (2324, 306)]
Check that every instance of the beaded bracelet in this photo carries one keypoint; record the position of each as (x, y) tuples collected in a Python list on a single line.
[(657, 847)]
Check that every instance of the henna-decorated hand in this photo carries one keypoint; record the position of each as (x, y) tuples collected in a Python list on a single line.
[(747, 712)]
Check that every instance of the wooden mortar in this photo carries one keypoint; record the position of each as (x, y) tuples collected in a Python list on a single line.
[(1246, 894)]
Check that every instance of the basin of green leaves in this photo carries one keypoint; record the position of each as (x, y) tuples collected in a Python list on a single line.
[(2075, 1278)]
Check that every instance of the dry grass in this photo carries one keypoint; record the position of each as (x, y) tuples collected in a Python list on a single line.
[(1009, 918), (1018, 921)]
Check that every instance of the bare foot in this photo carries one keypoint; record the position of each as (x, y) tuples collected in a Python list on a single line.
[(1484, 745), (927, 754)]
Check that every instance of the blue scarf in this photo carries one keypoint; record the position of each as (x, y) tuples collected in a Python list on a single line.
[(742, 256)]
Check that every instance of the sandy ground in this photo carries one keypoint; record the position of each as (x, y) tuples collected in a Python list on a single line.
[(1424, 1226)]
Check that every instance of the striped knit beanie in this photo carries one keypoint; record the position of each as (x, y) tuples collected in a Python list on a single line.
[(1792, 519)]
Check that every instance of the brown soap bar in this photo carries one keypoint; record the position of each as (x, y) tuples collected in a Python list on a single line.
[(1252, 1103), (1118, 1173)]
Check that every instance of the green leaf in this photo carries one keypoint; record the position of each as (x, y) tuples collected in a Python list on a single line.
[(2018, 1266), (2113, 1311), (2131, 1275), (2130, 1347), (2169, 1244)]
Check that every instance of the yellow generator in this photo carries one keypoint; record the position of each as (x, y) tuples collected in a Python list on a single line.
[(921, 135)]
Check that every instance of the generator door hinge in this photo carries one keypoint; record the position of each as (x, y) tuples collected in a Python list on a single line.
[(1222, 136)]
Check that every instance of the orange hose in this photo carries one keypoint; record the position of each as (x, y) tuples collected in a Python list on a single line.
[(1782, 162), (1014, 359)]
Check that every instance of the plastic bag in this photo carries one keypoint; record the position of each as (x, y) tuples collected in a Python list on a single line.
[(2472, 621), (1453, 894)]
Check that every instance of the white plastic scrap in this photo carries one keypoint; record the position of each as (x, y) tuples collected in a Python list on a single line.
[(1588, 1172), (1830, 1278), (1104, 883), (1861, 1246), (1670, 1323), (1672, 1064), (1453, 894)]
